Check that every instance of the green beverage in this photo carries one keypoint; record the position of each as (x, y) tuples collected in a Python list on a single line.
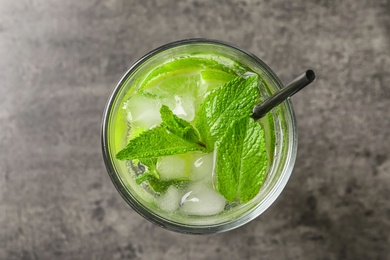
[(180, 144)]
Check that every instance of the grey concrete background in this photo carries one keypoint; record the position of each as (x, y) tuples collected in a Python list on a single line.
[(59, 61)]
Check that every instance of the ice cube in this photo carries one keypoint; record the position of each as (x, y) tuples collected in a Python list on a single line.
[(143, 111), (201, 167), (201, 200), (170, 200), (183, 106), (172, 167)]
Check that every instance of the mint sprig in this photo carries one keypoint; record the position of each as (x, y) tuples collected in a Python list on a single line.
[(223, 123)]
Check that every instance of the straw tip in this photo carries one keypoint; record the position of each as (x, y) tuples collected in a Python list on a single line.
[(310, 75)]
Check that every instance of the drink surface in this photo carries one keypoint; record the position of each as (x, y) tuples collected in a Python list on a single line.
[(189, 183)]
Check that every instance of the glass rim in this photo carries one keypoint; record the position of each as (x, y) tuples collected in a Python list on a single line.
[(181, 227)]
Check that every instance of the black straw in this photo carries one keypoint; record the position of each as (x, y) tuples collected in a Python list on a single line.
[(293, 87)]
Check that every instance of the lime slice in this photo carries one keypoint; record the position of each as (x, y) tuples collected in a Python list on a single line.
[(181, 76), (183, 66)]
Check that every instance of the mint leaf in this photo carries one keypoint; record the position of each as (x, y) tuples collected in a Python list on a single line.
[(224, 105), (172, 136), (178, 126), (241, 165), (154, 143)]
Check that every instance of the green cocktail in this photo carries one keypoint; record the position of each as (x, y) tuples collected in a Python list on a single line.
[(179, 142)]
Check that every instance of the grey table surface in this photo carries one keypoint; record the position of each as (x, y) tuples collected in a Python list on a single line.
[(59, 61)]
